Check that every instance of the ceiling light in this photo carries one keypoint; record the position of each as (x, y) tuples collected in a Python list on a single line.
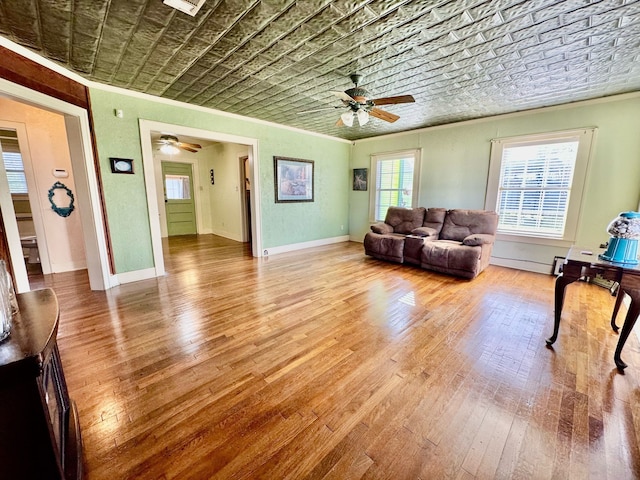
[(363, 117), (347, 118), (169, 149), (190, 7)]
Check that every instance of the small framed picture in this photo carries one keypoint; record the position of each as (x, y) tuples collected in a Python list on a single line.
[(293, 179), (121, 165), (360, 179)]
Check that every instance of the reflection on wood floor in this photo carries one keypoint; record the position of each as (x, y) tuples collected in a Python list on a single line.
[(325, 363)]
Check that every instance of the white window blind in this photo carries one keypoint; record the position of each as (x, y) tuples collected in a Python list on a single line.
[(535, 187), (396, 177), (13, 165)]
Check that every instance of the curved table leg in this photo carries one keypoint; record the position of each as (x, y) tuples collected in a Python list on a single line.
[(629, 322), (616, 307), (561, 283)]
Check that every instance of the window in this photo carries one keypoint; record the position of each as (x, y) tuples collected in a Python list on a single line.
[(535, 184), (397, 177), (177, 187), (13, 162)]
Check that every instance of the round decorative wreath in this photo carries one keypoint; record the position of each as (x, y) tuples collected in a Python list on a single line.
[(62, 211)]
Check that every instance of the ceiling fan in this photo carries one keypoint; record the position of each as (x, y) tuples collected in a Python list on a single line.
[(359, 105), (170, 144)]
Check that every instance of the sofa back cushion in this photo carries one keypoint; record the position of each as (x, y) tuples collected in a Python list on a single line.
[(434, 218), (403, 220), (459, 224)]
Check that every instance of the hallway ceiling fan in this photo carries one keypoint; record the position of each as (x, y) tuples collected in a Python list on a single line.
[(358, 104), (170, 144)]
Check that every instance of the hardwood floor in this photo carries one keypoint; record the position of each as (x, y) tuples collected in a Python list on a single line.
[(327, 364)]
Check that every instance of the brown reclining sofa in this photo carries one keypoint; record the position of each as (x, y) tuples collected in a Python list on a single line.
[(457, 242)]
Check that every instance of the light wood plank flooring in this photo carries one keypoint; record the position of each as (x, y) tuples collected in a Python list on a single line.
[(327, 364)]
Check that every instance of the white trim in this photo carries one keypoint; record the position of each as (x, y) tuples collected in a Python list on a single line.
[(20, 278), (67, 267), (33, 193), (528, 266), (146, 127), (373, 179), (301, 246), (79, 140), (586, 141), (135, 276)]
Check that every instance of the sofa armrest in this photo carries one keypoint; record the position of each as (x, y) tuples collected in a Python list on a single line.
[(476, 239), (382, 228), (426, 232)]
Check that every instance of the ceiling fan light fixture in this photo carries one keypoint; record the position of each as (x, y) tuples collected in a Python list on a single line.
[(363, 117), (347, 118), (169, 149)]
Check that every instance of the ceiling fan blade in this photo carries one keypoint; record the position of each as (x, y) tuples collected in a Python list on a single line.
[(383, 115), (393, 100), (190, 145), (188, 149), (339, 123), (343, 96)]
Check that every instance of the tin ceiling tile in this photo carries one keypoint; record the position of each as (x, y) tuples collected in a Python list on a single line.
[(271, 58)]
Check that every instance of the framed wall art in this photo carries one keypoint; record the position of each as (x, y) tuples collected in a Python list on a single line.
[(360, 179), (293, 179), (121, 165)]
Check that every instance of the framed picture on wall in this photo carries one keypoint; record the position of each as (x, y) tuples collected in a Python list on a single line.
[(293, 179), (360, 179)]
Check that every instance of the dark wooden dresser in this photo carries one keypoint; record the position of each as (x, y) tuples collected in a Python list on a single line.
[(39, 428)]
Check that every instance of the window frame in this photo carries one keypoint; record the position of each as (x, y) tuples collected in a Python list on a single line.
[(586, 140), (375, 159)]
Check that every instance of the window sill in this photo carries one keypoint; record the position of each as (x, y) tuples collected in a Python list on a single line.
[(552, 242)]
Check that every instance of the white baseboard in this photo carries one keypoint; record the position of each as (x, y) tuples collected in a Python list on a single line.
[(136, 276), (68, 267), (522, 265), (225, 234), (300, 246)]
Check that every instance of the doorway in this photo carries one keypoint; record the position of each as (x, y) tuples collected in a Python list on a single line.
[(77, 141), (153, 179), (179, 201)]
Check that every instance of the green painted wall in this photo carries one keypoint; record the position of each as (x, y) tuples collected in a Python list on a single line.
[(282, 224), (455, 165)]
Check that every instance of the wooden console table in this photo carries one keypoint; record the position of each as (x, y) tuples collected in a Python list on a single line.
[(581, 262), (40, 433)]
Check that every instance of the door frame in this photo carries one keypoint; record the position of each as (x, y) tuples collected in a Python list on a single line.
[(146, 127), (76, 121), (33, 192)]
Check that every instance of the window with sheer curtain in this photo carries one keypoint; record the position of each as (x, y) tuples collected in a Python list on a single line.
[(535, 183), (397, 178), (177, 187)]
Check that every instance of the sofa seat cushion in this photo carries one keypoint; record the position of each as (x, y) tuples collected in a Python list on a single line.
[(449, 256), (388, 247), (425, 232)]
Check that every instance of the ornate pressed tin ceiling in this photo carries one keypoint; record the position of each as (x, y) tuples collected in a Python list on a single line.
[(271, 59)]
